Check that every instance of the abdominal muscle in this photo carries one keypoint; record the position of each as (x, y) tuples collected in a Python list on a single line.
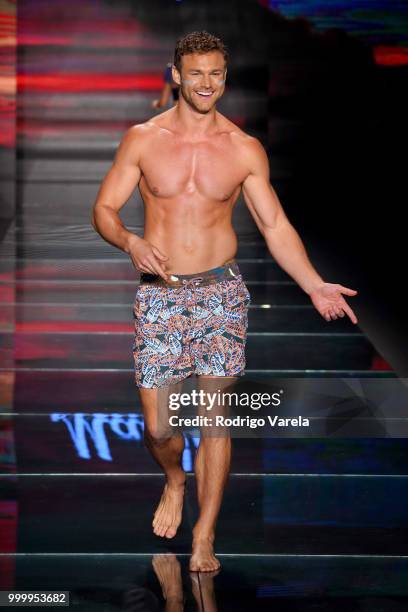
[(192, 241)]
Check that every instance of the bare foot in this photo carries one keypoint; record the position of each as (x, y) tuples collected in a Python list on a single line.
[(203, 558), (168, 571), (167, 517), (202, 587)]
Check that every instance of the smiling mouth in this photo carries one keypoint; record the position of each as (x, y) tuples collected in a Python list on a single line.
[(204, 94)]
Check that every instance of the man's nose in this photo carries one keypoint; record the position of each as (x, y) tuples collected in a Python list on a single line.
[(206, 81)]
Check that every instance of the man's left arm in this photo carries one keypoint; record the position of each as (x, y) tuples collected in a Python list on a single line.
[(283, 241)]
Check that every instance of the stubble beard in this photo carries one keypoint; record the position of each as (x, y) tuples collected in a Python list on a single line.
[(191, 103)]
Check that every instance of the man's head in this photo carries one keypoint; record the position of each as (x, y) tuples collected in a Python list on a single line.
[(200, 68)]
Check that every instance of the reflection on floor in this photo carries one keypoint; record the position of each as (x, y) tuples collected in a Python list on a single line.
[(133, 582)]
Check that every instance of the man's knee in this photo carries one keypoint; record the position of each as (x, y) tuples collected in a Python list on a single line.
[(157, 435)]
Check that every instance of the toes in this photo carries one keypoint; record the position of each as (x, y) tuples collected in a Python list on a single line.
[(159, 529), (163, 530), (208, 568), (204, 566), (171, 532)]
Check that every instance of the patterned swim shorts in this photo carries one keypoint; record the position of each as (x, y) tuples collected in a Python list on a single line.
[(193, 324)]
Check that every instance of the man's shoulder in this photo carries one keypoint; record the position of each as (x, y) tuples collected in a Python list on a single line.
[(141, 133), (141, 130), (252, 153), (250, 147), (154, 123), (238, 135)]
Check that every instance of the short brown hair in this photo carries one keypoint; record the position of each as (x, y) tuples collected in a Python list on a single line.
[(198, 42)]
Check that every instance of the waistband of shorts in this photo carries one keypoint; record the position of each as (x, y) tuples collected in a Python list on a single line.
[(229, 270)]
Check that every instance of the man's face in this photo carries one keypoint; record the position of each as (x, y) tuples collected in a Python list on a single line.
[(202, 79)]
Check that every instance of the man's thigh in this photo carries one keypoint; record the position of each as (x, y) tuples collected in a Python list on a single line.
[(160, 323), (220, 329)]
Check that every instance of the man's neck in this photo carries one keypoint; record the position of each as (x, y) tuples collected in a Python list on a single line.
[(194, 125)]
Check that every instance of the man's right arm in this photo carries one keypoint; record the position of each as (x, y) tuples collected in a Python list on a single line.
[(116, 189)]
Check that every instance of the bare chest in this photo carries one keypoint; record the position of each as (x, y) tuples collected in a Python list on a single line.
[(211, 170)]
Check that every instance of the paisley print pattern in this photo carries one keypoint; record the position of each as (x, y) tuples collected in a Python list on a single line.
[(193, 328)]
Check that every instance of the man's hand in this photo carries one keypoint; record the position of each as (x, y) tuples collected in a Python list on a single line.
[(147, 258), (328, 300)]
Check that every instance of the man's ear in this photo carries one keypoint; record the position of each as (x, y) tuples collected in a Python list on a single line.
[(176, 75)]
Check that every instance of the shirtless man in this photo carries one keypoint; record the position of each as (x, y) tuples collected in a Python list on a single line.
[(190, 163)]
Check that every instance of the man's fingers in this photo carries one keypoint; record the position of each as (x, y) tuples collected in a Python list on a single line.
[(347, 290), (145, 267), (327, 315), (349, 312), (158, 269), (331, 314), (152, 266), (159, 253)]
